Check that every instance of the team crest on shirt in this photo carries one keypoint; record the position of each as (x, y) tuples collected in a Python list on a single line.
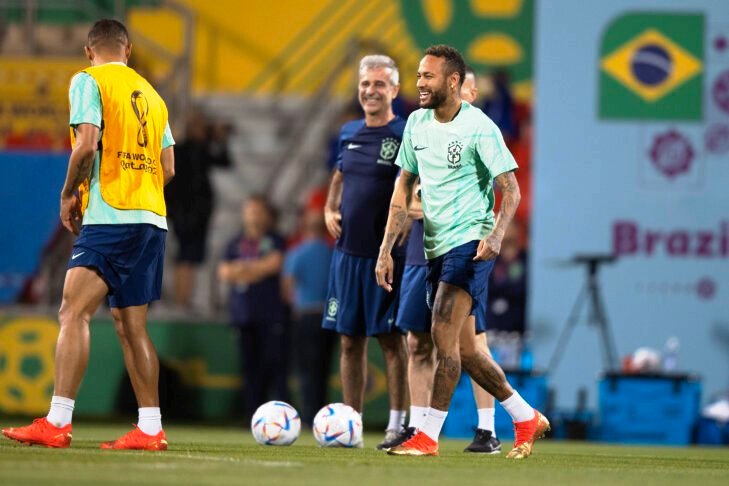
[(388, 150), (454, 154), (332, 308)]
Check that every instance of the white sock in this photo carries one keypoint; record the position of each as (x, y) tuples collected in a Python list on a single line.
[(417, 416), (150, 420), (433, 423), (61, 411), (397, 420), (518, 408), (486, 419)]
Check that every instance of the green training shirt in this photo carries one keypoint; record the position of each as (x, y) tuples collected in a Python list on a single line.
[(457, 163)]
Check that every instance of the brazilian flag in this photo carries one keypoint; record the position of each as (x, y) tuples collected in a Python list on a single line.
[(651, 67)]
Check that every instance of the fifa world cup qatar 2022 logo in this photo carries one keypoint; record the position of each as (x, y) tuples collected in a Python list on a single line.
[(141, 108)]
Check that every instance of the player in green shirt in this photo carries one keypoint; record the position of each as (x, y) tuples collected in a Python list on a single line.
[(458, 153)]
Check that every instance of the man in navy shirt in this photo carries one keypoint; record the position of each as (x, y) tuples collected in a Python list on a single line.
[(356, 214), (252, 266)]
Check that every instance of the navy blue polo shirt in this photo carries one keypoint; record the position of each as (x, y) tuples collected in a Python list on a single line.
[(367, 162), (260, 302)]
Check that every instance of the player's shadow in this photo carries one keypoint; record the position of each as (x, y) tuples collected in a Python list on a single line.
[(177, 401)]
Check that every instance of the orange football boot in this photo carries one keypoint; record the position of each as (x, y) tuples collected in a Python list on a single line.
[(41, 432), (138, 440), (526, 433), (419, 445)]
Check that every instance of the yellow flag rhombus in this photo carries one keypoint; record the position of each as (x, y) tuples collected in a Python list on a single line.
[(618, 65)]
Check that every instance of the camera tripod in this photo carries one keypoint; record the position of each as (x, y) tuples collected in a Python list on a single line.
[(589, 295)]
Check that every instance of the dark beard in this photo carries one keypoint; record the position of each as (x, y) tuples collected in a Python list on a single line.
[(437, 98)]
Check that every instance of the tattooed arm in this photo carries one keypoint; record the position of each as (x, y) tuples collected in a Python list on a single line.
[(399, 204), (491, 245), (79, 168)]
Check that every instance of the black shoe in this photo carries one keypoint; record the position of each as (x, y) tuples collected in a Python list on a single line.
[(484, 442), (404, 434)]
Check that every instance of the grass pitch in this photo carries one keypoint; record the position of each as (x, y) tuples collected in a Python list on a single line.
[(214, 455)]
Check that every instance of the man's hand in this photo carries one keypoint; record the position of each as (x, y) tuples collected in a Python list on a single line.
[(489, 247), (333, 220), (384, 271), (415, 211), (71, 213), (224, 272), (236, 272)]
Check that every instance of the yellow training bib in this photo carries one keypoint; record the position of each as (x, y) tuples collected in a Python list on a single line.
[(134, 118)]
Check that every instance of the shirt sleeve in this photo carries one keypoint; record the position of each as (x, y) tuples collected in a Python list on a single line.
[(406, 155), (289, 267), (85, 100), (492, 150), (340, 150), (167, 140)]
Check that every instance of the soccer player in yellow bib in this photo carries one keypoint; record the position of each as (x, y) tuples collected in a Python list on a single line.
[(458, 153), (122, 157)]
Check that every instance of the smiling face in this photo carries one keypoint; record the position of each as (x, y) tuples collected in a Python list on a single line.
[(376, 91), (433, 83)]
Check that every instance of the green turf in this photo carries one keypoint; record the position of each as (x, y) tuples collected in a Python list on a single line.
[(207, 455)]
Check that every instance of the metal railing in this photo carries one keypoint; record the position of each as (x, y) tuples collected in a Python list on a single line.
[(319, 48), (175, 86)]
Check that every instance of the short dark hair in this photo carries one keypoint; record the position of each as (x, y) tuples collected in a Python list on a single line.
[(108, 33), (454, 62), (263, 200)]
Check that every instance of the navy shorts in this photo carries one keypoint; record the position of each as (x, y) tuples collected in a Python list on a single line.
[(480, 312), (458, 268), (413, 313), (129, 257), (356, 305)]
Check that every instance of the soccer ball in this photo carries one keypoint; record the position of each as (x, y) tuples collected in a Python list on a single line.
[(276, 423), (338, 425), (646, 360)]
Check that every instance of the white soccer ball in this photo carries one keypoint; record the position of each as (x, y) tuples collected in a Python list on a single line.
[(276, 423), (646, 360), (338, 425)]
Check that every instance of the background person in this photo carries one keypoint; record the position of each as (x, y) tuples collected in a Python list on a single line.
[(305, 281), (251, 267), (191, 199)]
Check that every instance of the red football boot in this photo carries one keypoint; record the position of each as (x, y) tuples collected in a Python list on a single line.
[(41, 432)]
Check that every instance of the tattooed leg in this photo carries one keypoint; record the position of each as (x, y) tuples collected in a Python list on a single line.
[(450, 310), (481, 367)]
